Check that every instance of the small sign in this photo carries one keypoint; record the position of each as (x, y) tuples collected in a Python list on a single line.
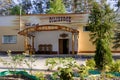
[(63, 35)]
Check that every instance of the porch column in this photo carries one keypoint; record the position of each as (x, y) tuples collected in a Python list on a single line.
[(33, 44), (25, 43), (73, 44)]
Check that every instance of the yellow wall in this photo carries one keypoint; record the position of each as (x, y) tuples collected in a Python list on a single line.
[(19, 46), (9, 25), (86, 46)]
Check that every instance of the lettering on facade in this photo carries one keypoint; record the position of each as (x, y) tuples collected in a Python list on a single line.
[(60, 19)]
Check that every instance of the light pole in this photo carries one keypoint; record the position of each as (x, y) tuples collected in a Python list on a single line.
[(20, 16)]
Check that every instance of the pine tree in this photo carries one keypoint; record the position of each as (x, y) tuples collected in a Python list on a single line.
[(16, 10), (116, 39), (56, 7), (101, 25)]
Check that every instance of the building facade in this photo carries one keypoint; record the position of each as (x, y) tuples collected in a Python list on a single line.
[(46, 34)]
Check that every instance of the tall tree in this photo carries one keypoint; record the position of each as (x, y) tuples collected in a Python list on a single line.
[(80, 6), (116, 39), (26, 6), (38, 8), (5, 5), (16, 10), (68, 5), (56, 7), (101, 25)]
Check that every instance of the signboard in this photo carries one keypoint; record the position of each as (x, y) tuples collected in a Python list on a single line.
[(55, 19), (43, 19)]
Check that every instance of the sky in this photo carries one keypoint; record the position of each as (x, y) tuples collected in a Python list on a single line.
[(113, 3)]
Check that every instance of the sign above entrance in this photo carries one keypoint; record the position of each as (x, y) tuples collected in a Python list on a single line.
[(56, 19), (63, 35), (60, 19)]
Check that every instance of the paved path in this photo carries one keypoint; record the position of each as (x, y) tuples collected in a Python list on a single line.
[(39, 63)]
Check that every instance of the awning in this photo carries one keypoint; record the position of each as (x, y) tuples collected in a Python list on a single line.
[(28, 30)]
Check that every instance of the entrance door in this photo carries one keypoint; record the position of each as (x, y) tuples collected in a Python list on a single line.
[(63, 46)]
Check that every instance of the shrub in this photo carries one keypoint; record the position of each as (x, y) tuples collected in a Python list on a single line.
[(83, 71), (16, 60), (30, 62), (60, 62), (51, 63), (64, 66), (103, 54), (39, 75), (90, 63), (66, 74), (115, 66), (63, 74)]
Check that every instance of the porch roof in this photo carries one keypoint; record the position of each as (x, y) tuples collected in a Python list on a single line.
[(29, 30)]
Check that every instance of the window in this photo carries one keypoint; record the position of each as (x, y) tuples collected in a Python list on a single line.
[(86, 28), (9, 39)]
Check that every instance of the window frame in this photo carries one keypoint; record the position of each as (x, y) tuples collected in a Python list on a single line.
[(10, 40)]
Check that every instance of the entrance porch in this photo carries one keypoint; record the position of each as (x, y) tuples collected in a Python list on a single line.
[(50, 39)]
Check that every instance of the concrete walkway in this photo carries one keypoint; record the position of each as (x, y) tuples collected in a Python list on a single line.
[(39, 63)]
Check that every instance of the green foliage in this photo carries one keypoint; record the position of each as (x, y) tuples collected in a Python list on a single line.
[(101, 22), (115, 66), (56, 7), (118, 4), (64, 66), (39, 75), (15, 61), (116, 38), (60, 62), (110, 76), (38, 6), (103, 54), (81, 6), (18, 60), (26, 6), (66, 74), (102, 76), (83, 71), (69, 73), (63, 74), (106, 76), (16, 10), (30, 62), (51, 63), (101, 25), (90, 63)]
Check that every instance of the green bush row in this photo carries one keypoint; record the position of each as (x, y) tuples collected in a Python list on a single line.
[(71, 69)]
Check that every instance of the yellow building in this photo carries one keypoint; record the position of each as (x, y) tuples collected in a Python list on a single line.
[(46, 34)]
